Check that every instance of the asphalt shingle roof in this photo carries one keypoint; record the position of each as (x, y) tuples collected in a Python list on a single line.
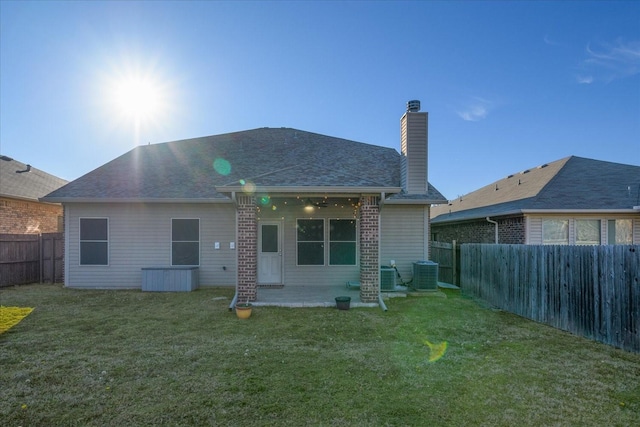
[(17, 180), (266, 157), (572, 183)]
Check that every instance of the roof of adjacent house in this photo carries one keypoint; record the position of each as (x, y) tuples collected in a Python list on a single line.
[(267, 159), (570, 184), (22, 181)]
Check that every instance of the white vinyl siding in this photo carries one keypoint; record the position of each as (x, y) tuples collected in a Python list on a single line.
[(140, 236), (403, 237)]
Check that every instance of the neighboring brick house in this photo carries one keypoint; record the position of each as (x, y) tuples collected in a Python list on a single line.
[(574, 201), (21, 211), (262, 207)]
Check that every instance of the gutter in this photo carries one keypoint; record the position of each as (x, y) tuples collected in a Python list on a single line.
[(496, 224), (131, 200)]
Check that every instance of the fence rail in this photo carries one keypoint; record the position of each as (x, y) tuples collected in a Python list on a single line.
[(592, 291), (31, 258)]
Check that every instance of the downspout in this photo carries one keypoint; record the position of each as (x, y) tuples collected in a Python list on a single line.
[(381, 302), (496, 224), (235, 297)]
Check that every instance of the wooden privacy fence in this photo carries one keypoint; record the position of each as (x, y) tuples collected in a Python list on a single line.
[(592, 291), (31, 258), (447, 255)]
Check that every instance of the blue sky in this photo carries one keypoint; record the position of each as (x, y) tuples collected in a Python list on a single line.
[(508, 85)]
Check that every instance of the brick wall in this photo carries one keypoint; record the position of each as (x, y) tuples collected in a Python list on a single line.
[(369, 248), (25, 217), (510, 231), (247, 249)]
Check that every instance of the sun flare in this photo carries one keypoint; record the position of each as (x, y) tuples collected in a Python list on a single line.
[(139, 98)]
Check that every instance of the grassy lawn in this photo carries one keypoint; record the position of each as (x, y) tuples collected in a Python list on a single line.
[(114, 358)]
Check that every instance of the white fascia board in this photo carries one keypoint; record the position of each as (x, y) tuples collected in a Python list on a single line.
[(578, 211), (311, 190), (412, 202), (131, 200)]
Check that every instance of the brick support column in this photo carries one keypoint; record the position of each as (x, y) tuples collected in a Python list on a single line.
[(247, 248), (369, 249)]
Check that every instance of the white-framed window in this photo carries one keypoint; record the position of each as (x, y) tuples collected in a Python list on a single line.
[(342, 241), (310, 241), (185, 241), (587, 231), (555, 231), (94, 241), (620, 232)]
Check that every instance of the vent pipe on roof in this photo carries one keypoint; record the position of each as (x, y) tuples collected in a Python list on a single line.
[(413, 106)]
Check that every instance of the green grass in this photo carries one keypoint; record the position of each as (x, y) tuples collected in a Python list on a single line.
[(113, 358)]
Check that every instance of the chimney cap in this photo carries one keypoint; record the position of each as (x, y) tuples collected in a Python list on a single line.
[(413, 106)]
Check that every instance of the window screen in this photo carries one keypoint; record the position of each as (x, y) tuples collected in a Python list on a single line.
[(555, 231), (587, 232), (310, 236), (342, 242), (94, 241), (185, 242)]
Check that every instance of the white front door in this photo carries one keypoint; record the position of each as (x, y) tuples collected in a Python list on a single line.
[(269, 253)]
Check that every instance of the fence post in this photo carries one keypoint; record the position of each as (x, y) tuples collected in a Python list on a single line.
[(454, 262), (41, 256)]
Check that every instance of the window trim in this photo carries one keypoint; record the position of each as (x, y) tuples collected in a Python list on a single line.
[(171, 241), (80, 241)]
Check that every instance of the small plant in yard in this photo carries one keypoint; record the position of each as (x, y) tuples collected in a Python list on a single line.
[(111, 358)]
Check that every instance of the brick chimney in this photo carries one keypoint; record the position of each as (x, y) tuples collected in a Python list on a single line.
[(414, 137)]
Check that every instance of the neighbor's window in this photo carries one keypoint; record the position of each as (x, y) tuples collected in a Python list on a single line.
[(94, 241), (342, 242), (587, 232), (310, 236), (185, 242), (555, 231), (619, 232)]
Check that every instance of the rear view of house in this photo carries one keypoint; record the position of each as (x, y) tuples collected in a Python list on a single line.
[(263, 207)]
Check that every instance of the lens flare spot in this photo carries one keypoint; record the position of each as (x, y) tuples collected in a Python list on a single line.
[(222, 166), (436, 351), (248, 187), (264, 200)]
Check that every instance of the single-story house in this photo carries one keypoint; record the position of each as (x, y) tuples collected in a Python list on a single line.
[(21, 211), (572, 201), (262, 207)]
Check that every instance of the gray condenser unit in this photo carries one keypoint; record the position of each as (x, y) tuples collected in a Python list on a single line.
[(425, 276), (387, 279)]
